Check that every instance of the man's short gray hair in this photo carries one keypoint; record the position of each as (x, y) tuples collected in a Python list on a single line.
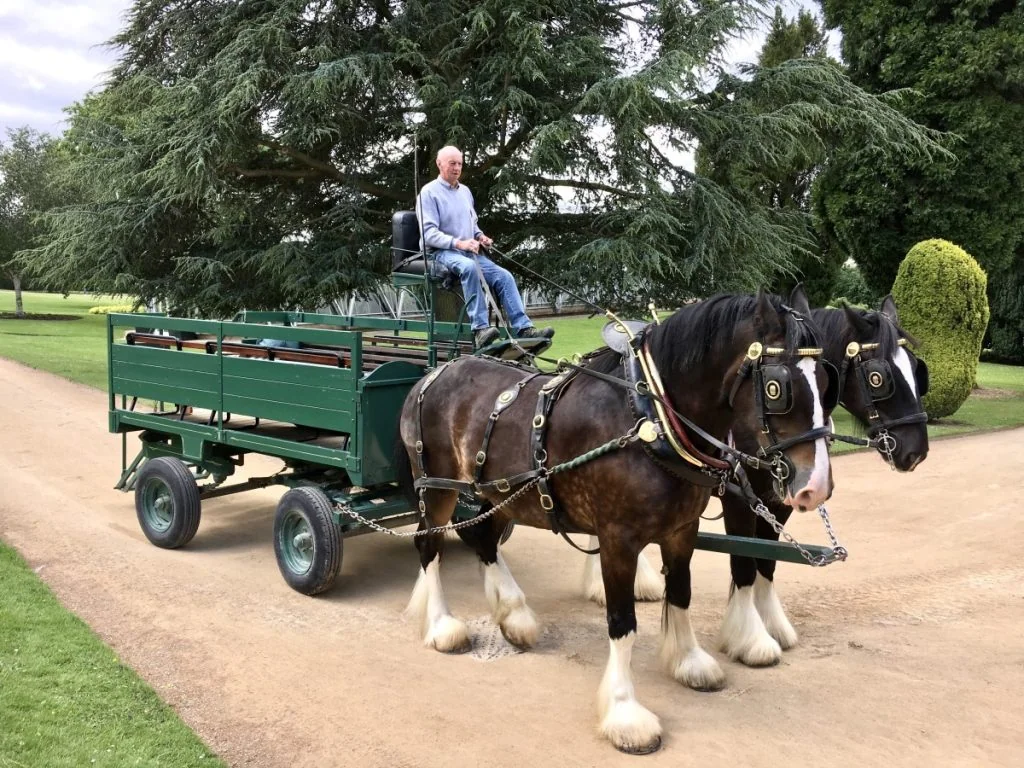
[(447, 150)]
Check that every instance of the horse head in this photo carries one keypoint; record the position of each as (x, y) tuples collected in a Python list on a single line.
[(883, 382), (758, 360)]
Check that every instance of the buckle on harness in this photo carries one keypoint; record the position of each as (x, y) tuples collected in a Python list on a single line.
[(538, 421), (419, 446), (502, 485), (481, 457), (546, 502)]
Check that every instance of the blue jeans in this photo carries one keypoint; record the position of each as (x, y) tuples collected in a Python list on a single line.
[(500, 280)]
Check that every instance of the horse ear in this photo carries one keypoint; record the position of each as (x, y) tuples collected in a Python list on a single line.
[(767, 320), (889, 309), (857, 321), (798, 300)]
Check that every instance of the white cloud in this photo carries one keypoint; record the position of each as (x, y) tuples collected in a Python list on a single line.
[(52, 53)]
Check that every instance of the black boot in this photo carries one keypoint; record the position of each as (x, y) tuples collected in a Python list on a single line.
[(529, 332), (485, 336)]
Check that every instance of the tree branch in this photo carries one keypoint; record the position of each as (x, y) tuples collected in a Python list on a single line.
[(331, 171), (282, 173), (592, 185)]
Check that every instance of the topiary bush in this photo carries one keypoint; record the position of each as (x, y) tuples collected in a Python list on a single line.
[(940, 292)]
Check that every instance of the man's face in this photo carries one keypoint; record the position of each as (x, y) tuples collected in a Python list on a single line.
[(450, 167)]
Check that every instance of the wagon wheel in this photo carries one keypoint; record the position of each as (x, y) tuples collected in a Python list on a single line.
[(307, 540), (167, 502)]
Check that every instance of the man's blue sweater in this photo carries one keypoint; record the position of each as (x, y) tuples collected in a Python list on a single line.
[(446, 214)]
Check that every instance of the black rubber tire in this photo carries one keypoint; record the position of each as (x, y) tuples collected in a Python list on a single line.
[(309, 510), (172, 481)]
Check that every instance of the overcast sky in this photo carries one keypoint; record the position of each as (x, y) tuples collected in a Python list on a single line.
[(52, 53)]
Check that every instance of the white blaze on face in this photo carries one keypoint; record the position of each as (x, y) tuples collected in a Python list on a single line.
[(819, 477), (902, 360)]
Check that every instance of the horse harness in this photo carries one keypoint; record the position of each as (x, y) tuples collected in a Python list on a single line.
[(874, 377)]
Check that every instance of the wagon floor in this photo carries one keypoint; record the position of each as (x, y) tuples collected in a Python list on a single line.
[(296, 433)]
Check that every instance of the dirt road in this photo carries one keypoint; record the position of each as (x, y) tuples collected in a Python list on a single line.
[(911, 653)]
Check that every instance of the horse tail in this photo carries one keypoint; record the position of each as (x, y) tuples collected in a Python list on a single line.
[(403, 467)]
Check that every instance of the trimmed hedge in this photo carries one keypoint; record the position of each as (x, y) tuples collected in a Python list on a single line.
[(940, 292)]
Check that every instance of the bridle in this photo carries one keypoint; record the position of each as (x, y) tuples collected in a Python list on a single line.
[(876, 382), (773, 396)]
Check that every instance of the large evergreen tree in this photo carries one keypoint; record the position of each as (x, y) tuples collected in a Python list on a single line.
[(253, 153), (965, 60)]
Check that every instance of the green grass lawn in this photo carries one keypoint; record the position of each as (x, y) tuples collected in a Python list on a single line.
[(74, 349), (66, 699)]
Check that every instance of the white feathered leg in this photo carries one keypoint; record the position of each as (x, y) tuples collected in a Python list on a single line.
[(439, 629), (625, 722), (508, 605), (743, 634), (682, 655), (766, 601)]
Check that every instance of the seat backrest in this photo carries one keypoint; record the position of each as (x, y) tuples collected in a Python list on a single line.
[(405, 237)]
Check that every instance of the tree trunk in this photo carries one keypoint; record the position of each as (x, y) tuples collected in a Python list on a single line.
[(19, 307)]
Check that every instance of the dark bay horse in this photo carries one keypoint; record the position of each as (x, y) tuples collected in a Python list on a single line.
[(623, 497), (881, 386)]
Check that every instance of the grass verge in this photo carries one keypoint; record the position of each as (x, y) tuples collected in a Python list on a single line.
[(66, 699)]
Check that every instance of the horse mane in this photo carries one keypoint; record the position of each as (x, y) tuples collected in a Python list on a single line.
[(838, 331), (690, 334)]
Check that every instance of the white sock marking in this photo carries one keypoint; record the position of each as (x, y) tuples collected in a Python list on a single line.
[(682, 656), (743, 634), (624, 721), (508, 605), (766, 601)]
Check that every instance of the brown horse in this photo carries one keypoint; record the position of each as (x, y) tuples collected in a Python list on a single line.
[(627, 497)]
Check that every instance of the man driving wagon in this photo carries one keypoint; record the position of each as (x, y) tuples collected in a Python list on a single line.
[(452, 236)]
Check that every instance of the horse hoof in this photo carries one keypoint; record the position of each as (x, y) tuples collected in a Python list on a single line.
[(520, 628), (647, 749)]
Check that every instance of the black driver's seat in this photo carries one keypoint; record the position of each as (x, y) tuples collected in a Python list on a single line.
[(408, 266)]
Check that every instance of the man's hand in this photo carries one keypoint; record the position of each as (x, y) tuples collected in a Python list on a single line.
[(484, 240), (468, 245)]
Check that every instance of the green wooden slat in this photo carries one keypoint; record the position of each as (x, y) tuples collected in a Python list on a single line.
[(166, 393), (166, 374), (143, 320), (300, 395), (315, 454), (322, 418), (170, 359), (761, 548), (341, 380)]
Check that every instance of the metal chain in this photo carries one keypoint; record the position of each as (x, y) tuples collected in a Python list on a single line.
[(347, 510), (838, 551), (886, 445)]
